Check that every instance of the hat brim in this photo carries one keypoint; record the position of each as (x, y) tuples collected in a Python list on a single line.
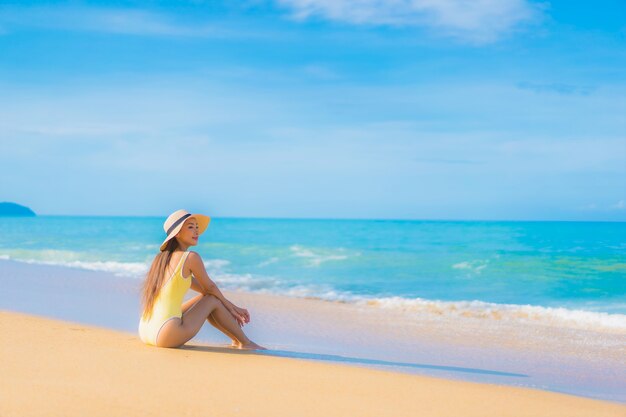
[(203, 223)]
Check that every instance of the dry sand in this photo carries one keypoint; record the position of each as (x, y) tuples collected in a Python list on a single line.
[(51, 367)]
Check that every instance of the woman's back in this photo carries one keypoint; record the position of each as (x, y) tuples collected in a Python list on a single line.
[(167, 304)]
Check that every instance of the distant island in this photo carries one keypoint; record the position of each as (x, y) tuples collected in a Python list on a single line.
[(15, 210)]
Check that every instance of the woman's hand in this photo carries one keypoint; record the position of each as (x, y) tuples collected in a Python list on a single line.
[(241, 314)]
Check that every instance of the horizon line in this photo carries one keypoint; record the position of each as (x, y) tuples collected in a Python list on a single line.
[(345, 218)]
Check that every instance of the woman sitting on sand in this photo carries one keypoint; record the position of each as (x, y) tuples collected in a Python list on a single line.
[(168, 322)]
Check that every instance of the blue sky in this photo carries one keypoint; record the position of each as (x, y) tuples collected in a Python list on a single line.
[(419, 109)]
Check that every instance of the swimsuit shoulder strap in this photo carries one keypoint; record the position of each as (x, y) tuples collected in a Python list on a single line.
[(183, 257), (181, 261)]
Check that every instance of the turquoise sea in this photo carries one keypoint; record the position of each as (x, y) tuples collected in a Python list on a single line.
[(566, 273)]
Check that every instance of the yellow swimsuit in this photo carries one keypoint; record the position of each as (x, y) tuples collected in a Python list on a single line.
[(167, 305)]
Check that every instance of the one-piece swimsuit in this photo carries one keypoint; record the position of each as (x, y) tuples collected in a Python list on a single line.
[(167, 305)]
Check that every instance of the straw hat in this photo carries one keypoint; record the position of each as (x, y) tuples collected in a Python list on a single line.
[(175, 221)]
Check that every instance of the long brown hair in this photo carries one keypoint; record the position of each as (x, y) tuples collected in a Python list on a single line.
[(155, 277)]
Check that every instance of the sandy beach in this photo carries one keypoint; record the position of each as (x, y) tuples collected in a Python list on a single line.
[(70, 369), (579, 362)]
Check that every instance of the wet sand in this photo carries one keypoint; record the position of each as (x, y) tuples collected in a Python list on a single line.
[(52, 367)]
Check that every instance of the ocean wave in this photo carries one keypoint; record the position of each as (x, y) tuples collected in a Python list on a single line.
[(269, 262), (216, 264), (248, 282), (558, 316), (316, 258), (124, 269), (472, 266), (72, 259), (551, 316), (135, 270)]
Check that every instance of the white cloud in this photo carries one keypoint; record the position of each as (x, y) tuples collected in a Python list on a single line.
[(620, 205), (477, 21), (329, 151), (111, 20)]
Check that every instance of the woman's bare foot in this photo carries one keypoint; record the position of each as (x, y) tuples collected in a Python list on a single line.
[(251, 346)]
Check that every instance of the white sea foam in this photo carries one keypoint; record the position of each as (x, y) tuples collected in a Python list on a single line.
[(471, 310), (316, 258), (248, 282), (560, 317), (123, 269), (269, 262), (556, 316), (126, 269), (72, 259), (217, 265), (472, 266)]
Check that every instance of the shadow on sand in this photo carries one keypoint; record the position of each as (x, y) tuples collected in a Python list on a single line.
[(345, 359)]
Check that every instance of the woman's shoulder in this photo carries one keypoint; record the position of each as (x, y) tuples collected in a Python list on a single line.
[(194, 261), (193, 256)]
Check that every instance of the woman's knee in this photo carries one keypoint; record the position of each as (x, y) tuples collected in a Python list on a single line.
[(210, 302), (195, 316), (211, 297)]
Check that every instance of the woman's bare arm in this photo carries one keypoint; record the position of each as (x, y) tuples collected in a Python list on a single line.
[(203, 283)]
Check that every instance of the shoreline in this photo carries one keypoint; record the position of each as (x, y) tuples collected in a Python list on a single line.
[(587, 317), (86, 370), (582, 363)]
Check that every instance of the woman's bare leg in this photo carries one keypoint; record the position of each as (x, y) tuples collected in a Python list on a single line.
[(222, 316), (218, 326), (177, 332), (191, 302), (228, 324)]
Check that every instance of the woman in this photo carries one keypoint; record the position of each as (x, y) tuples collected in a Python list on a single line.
[(168, 322)]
